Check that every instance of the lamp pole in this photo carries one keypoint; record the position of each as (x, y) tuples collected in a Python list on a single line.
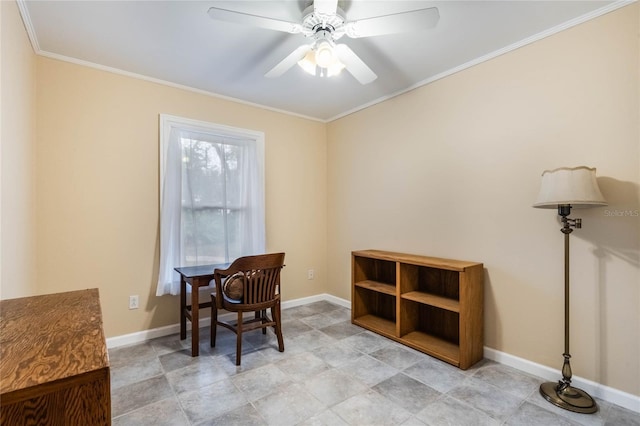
[(562, 393)]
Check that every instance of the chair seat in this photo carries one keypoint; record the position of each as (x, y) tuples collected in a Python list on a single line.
[(229, 300)]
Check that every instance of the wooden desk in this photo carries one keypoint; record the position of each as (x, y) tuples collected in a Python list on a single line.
[(54, 366), (196, 277)]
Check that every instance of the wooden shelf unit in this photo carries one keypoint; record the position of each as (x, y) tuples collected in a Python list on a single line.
[(430, 304)]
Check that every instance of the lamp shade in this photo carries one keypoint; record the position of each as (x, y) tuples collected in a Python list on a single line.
[(575, 186)]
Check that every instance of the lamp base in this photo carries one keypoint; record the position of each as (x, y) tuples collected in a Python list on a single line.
[(568, 397)]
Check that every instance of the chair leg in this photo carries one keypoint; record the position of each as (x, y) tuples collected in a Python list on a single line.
[(214, 321), (263, 315), (239, 339), (275, 313)]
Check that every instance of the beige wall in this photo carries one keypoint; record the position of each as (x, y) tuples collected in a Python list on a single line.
[(449, 169), (452, 169), (17, 157), (97, 181)]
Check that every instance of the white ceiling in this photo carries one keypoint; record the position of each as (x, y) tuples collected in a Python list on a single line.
[(177, 42)]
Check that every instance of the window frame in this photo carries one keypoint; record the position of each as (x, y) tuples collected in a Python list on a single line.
[(167, 122)]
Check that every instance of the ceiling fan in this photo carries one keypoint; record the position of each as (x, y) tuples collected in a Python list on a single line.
[(324, 23)]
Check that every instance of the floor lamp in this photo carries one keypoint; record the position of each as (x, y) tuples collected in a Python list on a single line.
[(563, 189)]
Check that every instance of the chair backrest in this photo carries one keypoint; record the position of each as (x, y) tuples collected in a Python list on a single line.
[(258, 275)]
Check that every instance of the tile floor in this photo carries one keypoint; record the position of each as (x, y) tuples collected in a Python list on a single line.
[(331, 373)]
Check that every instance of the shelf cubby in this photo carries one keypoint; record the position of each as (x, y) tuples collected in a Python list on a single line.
[(376, 270)]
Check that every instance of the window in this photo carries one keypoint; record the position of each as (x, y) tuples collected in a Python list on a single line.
[(211, 196)]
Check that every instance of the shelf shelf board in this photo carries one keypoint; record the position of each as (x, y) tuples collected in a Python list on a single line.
[(378, 324), (435, 346), (433, 300), (385, 288)]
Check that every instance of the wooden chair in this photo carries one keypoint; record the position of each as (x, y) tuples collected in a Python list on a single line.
[(249, 284)]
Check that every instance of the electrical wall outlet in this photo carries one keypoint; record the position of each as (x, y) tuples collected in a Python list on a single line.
[(310, 274), (134, 302)]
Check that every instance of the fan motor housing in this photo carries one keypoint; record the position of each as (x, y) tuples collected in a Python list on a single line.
[(313, 23)]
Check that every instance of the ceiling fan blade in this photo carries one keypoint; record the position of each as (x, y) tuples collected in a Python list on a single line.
[(325, 7), (257, 21), (354, 64), (289, 61), (396, 23)]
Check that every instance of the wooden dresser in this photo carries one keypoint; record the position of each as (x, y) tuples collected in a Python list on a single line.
[(54, 365)]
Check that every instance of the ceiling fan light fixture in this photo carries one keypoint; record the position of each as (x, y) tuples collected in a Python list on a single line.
[(324, 54), (311, 66), (308, 63)]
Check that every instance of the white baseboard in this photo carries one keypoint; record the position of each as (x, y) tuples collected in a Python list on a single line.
[(143, 336), (609, 394), (606, 393)]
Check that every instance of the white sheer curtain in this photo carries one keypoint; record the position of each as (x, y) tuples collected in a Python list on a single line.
[(212, 199)]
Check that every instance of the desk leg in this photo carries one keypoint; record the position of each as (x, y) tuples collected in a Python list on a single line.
[(183, 307), (195, 319)]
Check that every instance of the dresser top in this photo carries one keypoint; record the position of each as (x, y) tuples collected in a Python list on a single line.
[(50, 337)]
